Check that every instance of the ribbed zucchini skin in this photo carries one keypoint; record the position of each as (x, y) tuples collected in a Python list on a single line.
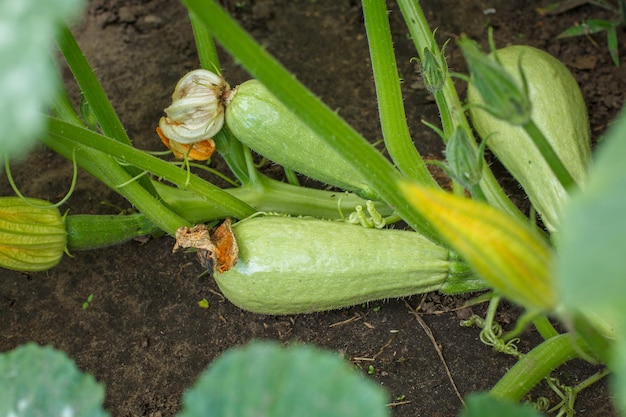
[(293, 265), (559, 111), (260, 121)]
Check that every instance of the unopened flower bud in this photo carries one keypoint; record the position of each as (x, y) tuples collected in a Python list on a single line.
[(32, 234), (434, 69), (507, 252), (504, 98), (465, 162), (197, 111)]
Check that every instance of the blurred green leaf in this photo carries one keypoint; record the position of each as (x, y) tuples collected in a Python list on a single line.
[(618, 383), (591, 264), (591, 267), (265, 379), (588, 27), (41, 381), (27, 29), (481, 404), (612, 43)]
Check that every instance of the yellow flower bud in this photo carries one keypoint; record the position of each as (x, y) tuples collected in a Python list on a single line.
[(509, 255), (32, 234)]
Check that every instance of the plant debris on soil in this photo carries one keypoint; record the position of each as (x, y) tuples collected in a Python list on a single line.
[(144, 335)]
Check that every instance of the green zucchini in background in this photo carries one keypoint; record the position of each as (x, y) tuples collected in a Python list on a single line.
[(558, 110), (261, 122)]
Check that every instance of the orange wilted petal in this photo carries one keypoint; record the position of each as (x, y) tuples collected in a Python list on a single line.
[(505, 251), (217, 248), (198, 151)]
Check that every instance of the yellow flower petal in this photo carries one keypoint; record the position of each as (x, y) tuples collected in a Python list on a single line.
[(198, 151), (506, 252)]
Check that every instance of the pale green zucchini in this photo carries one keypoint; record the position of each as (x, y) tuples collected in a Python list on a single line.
[(558, 110), (290, 265), (260, 121)]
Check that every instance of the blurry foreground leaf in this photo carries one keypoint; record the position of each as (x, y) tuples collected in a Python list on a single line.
[(41, 381), (619, 378), (27, 30), (484, 405), (265, 379), (591, 267)]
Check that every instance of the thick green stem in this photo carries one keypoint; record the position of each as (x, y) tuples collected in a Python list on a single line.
[(207, 52), (268, 195), (93, 92), (450, 108), (544, 327), (396, 134), (80, 137), (91, 87), (536, 365), (107, 170), (361, 155), (549, 154), (86, 232)]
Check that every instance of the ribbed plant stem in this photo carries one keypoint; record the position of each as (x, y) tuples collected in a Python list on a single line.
[(534, 366), (396, 134)]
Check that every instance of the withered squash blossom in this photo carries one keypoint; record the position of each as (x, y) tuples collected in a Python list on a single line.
[(195, 115), (198, 151)]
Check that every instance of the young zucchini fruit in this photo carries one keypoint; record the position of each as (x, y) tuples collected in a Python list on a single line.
[(261, 122), (291, 265), (558, 110)]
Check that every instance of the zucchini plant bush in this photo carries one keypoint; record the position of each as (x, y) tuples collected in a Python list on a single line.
[(293, 249)]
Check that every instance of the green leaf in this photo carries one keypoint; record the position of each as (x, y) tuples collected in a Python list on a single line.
[(591, 264), (28, 74), (41, 381), (265, 379), (482, 404), (587, 27), (612, 43), (618, 383)]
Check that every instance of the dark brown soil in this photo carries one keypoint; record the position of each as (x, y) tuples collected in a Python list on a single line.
[(144, 334)]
